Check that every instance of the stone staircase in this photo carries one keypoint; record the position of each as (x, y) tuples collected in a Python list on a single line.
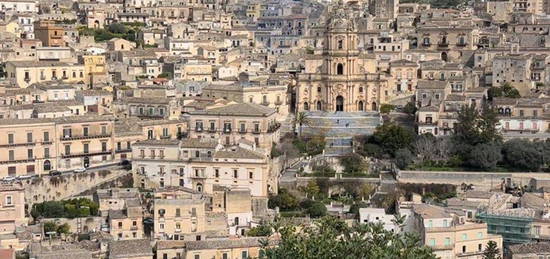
[(339, 128)]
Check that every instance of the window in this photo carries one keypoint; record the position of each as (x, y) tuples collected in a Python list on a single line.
[(12, 171), (178, 212), (29, 137), (46, 152), (85, 131), (119, 224), (103, 146), (340, 44), (224, 256), (479, 247), (217, 173), (479, 234), (244, 255), (235, 173), (86, 148), (464, 236), (197, 257), (430, 223), (29, 153), (9, 200), (447, 241), (340, 69), (11, 155), (10, 138), (463, 249), (46, 136), (431, 242), (251, 175)]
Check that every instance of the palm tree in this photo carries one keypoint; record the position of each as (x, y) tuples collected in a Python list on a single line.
[(301, 119)]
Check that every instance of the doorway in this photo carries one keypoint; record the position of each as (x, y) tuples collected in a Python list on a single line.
[(339, 103)]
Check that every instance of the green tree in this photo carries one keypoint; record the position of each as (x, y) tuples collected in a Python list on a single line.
[(403, 158), (475, 127), (117, 28), (311, 189), (485, 156), (301, 119), (410, 108), (354, 163), (316, 209), (523, 154), (386, 108), (331, 238), (491, 251), (284, 200), (260, 231), (506, 90), (392, 137)]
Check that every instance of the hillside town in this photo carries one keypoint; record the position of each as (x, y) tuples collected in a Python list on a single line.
[(236, 129)]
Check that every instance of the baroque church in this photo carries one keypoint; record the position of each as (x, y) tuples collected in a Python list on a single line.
[(339, 76)]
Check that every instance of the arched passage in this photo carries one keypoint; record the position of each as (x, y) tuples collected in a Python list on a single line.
[(340, 69), (339, 103)]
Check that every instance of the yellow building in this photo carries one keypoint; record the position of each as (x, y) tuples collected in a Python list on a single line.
[(450, 235), (236, 122), (26, 73), (94, 68), (242, 247), (37, 146)]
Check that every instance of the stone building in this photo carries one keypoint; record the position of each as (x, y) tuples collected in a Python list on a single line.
[(336, 77)]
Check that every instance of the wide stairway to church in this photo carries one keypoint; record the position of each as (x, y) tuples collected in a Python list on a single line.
[(339, 128)]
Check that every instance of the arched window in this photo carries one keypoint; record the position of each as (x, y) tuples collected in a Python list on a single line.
[(306, 106), (507, 111), (319, 106), (199, 187), (47, 165), (500, 110), (374, 106), (360, 106), (340, 69), (340, 44)]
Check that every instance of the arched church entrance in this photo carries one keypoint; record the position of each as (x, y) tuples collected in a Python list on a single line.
[(339, 103)]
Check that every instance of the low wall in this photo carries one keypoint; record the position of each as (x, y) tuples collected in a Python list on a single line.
[(47, 188), (487, 180)]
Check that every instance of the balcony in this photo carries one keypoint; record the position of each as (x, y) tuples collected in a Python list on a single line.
[(18, 144), (426, 44), (198, 175), (18, 161), (165, 136), (227, 130), (124, 150), (256, 131), (198, 129), (97, 153), (461, 44), (279, 102), (273, 127), (443, 44), (265, 103), (88, 136)]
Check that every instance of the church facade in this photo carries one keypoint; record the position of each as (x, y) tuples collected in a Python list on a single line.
[(338, 75)]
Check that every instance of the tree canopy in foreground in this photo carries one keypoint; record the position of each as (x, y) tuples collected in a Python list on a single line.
[(332, 238)]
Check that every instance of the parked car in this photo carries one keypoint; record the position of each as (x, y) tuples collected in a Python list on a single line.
[(25, 177), (8, 178), (54, 173), (80, 170)]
